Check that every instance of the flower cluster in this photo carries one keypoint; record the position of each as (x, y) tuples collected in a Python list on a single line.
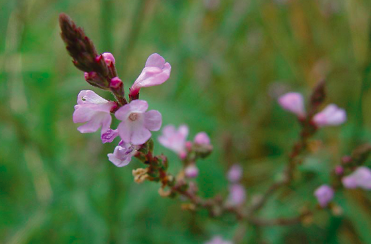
[(176, 140), (237, 193), (136, 122), (331, 115)]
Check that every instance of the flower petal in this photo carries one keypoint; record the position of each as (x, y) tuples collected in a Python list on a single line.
[(153, 120)]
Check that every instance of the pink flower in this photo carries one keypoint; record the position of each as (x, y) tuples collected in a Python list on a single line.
[(122, 154), (136, 122), (361, 177), (324, 195), (293, 102), (94, 110), (109, 135), (237, 195), (174, 139), (218, 240), (331, 115), (202, 139), (191, 171), (155, 72), (235, 173)]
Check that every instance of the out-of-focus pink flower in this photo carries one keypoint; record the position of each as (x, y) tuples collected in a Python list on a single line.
[(202, 139), (331, 115), (94, 110), (175, 139), (122, 154), (155, 72), (237, 195), (235, 173), (324, 195), (339, 170), (136, 122), (218, 240), (191, 171), (293, 102), (108, 58), (109, 135), (361, 177)]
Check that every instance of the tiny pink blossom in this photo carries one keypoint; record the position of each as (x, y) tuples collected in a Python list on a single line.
[(136, 122), (202, 139), (108, 58), (191, 171), (237, 195), (339, 170), (235, 173), (155, 72), (293, 102), (94, 110), (122, 154), (361, 177), (109, 135), (174, 139), (324, 195), (331, 115), (218, 240)]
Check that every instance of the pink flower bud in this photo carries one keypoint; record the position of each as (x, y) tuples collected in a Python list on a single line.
[(324, 195), (116, 83), (293, 102), (218, 240), (339, 170), (235, 173), (202, 139), (191, 171), (108, 58), (331, 115), (237, 195), (361, 177)]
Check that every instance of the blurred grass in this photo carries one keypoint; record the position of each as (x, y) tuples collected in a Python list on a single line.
[(229, 64)]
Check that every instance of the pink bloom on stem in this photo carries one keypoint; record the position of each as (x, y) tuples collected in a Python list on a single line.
[(324, 195), (94, 110), (237, 195), (122, 154), (155, 72), (235, 173), (191, 171), (218, 240), (293, 102), (136, 122), (361, 177), (331, 115), (202, 139), (108, 58), (174, 139), (109, 135)]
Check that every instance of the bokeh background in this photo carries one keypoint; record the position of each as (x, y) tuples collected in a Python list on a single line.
[(230, 60)]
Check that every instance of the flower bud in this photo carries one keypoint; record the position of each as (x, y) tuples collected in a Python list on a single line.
[(324, 195), (191, 171), (293, 102)]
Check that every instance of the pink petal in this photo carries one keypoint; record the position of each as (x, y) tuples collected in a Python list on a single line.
[(155, 60), (134, 133), (331, 115), (324, 195), (88, 96), (202, 139), (109, 135), (153, 120), (93, 125), (108, 58), (293, 102), (235, 173), (136, 106), (82, 114)]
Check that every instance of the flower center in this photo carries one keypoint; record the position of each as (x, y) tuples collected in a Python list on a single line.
[(133, 116)]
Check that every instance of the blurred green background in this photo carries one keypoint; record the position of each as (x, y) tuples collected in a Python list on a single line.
[(230, 60)]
